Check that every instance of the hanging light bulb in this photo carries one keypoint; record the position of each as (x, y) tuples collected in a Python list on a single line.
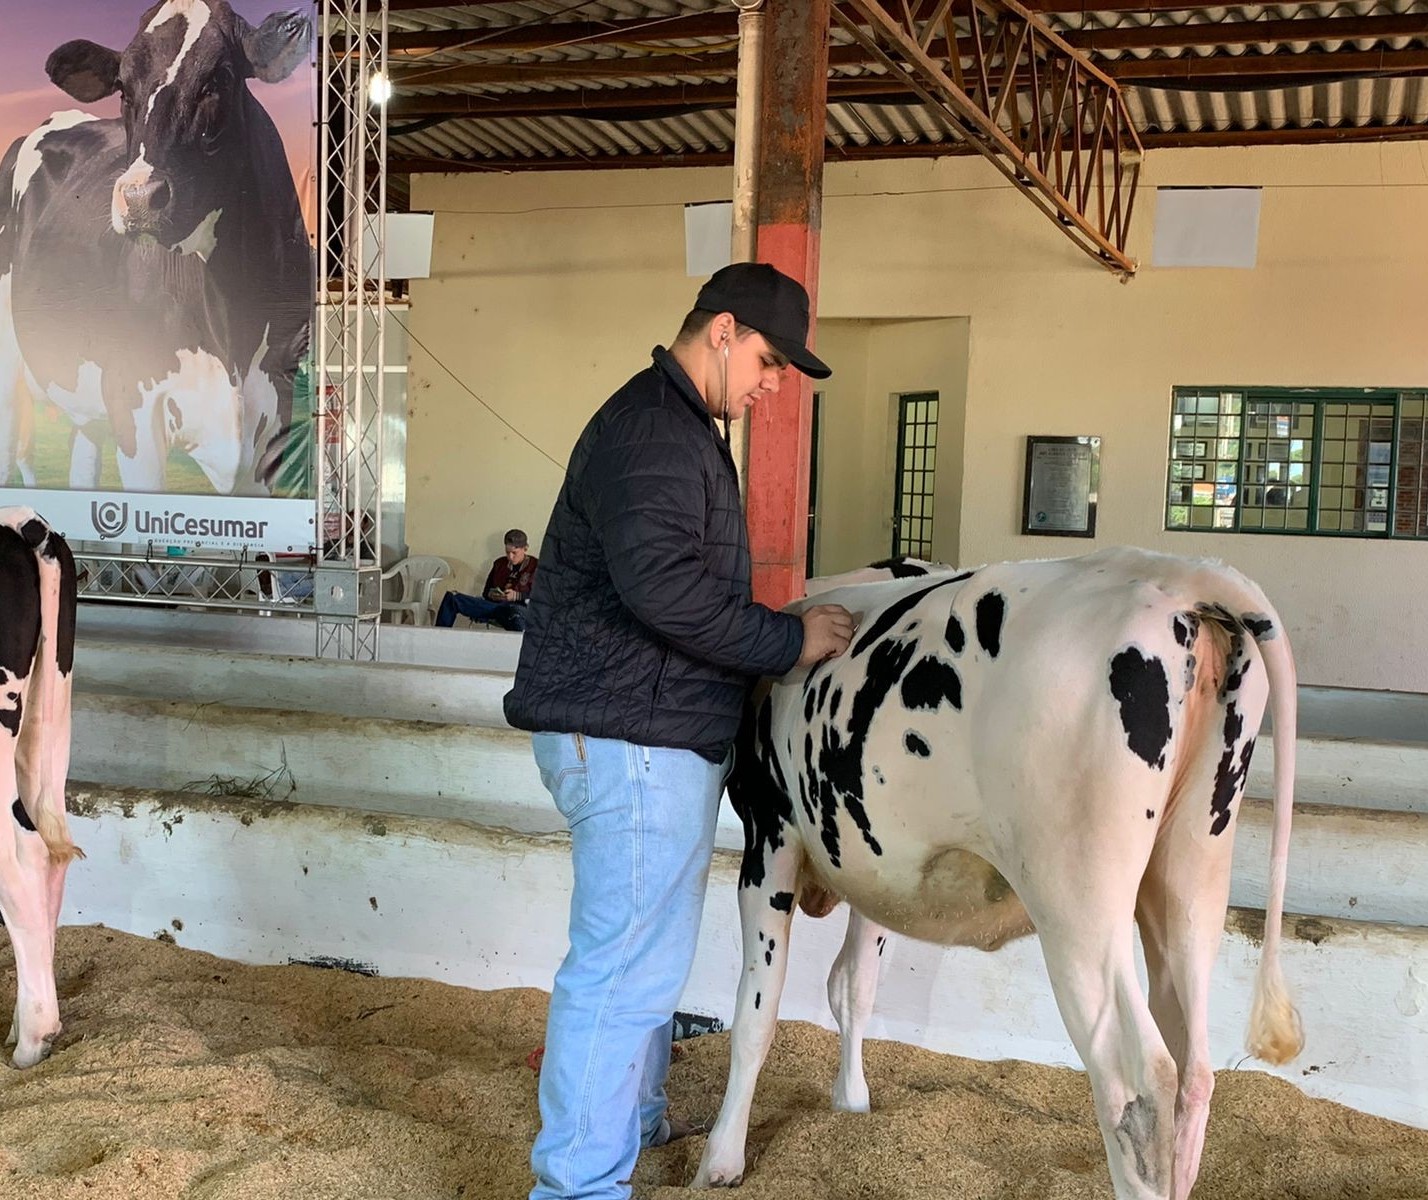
[(379, 88)]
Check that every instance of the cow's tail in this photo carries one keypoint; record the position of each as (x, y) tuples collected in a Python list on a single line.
[(1275, 1033)]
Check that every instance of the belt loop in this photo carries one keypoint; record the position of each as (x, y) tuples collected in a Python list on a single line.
[(580, 746)]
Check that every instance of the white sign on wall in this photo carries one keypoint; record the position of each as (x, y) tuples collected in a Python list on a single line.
[(207, 522), (1206, 227), (708, 237)]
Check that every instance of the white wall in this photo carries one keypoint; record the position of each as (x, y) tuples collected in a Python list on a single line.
[(550, 288)]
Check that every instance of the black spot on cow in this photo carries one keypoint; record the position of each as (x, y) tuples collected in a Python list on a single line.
[(1137, 1126), (758, 999), (882, 945), (768, 956), (929, 683), (758, 792), (991, 612), (1189, 673), (1187, 627), (900, 567), (823, 691), (838, 774), (878, 775), (68, 603), (20, 606), (916, 745), (834, 703), (1231, 771), (1140, 685), (782, 901), (761, 935), (1150, 814), (22, 818), (956, 635), (810, 698), (895, 612), (804, 798), (1261, 628)]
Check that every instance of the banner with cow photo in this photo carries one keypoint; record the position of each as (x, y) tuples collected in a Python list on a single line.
[(157, 210)]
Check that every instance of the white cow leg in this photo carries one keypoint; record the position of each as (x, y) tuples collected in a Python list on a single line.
[(852, 988), (766, 914), (24, 904), (84, 463), (1089, 956)]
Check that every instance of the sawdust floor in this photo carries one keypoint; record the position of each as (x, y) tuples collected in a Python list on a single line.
[(183, 1075)]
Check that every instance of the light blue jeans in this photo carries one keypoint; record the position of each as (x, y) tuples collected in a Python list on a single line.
[(642, 833)]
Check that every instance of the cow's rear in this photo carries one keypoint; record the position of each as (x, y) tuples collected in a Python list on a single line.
[(1059, 743)]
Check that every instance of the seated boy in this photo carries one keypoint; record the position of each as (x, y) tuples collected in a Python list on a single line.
[(508, 588)]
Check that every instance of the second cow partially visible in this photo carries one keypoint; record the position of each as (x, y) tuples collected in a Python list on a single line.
[(37, 613), (1052, 745)]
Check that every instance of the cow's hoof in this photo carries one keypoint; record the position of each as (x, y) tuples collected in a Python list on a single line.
[(717, 1177), (27, 1056)]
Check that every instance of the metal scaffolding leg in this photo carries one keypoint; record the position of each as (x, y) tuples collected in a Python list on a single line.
[(351, 326)]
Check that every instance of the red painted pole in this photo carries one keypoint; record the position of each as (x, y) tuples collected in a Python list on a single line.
[(790, 216)]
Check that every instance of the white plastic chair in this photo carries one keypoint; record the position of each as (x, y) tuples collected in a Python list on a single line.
[(419, 576)]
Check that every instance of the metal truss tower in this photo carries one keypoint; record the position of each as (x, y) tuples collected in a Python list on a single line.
[(350, 325)]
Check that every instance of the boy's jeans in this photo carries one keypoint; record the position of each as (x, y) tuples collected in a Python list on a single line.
[(642, 833)]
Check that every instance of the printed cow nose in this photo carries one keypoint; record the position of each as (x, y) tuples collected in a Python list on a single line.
[(152, 195)]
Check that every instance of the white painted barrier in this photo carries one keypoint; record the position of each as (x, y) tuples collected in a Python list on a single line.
[(469, 905), (486, 775)]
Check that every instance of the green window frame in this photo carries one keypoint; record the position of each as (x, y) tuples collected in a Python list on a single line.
[(1303, 461)]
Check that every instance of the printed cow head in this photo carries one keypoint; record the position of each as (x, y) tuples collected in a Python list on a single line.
[(187, 110)]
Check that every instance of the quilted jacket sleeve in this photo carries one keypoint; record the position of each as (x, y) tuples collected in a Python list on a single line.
[(645, 493)]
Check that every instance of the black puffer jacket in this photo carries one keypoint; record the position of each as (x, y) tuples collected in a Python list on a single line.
[(641, 624)]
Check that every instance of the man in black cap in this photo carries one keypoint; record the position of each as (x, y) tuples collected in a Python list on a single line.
[(641, 644), (507, 590)]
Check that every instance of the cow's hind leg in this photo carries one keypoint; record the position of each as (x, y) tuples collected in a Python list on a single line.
[(766, 914), (1181, 913), (852, 988), (1182, 902), (1090, 958)]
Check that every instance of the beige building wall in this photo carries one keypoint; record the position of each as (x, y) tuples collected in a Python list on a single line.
[(551, 287)]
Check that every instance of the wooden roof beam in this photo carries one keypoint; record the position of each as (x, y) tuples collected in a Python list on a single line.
[(550, 35), (1248, 33), (1164, 71), (1188, 139)]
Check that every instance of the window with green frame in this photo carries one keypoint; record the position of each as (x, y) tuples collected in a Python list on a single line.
[(1318, 461)]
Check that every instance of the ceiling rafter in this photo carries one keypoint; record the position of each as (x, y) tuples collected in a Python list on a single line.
[(1161, 70), (408, 163)]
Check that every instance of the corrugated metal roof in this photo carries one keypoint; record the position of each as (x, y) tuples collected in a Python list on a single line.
[(1263, 104)]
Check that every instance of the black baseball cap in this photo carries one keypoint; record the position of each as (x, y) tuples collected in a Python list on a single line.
[(764, 298)]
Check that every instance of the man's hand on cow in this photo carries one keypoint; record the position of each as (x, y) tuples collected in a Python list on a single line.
[(827, 630)]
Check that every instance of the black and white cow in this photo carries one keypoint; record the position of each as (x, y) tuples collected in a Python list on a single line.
[(156, 279), (1058, 746), (37, 613)]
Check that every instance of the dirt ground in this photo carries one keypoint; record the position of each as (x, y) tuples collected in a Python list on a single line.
[(184, 1075)]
